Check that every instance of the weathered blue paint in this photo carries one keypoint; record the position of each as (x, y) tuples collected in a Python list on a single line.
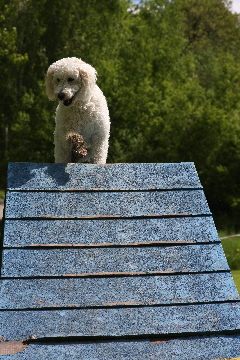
[(100, 204), (138, 321), (126, 290), (191, 348), (19, 233), (28, 176), (107, 261), (114, 291)]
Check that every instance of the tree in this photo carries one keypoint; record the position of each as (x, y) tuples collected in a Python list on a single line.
[(34, 34), (180, 72), (169, 69)]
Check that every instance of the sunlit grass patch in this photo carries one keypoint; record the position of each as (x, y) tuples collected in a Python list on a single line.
[(231, 247), (236, 278)]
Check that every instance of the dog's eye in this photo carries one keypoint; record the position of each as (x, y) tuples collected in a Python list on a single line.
[(58, 80), (70, 79)]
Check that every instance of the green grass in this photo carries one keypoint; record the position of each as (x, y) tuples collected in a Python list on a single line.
[(236, 278), (231, 247)]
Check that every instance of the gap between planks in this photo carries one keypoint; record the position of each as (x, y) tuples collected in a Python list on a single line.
[(152, 338), (113, 245), (120, 306), (115, 274), (105, 190)]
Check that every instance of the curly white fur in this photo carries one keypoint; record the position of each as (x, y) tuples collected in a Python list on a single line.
[(82, 110)]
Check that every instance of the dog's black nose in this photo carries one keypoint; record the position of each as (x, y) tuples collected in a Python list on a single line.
[(61, 96)]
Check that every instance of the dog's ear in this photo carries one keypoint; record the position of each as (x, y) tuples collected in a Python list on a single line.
[(49, 84), (88, 75)]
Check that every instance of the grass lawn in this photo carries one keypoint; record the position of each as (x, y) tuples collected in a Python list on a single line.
[(231, 247), (236, 277)]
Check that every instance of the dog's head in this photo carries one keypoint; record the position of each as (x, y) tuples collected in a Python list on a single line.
[(69, 79)]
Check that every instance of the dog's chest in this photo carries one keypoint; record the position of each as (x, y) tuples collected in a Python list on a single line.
[(74, 119)]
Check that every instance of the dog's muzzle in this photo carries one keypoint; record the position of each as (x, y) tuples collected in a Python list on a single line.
[(66, 102)]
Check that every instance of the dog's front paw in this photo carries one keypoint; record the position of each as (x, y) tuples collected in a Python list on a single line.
[(77, 146)]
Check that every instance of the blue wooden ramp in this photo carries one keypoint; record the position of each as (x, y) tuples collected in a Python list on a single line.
[(113, 262)]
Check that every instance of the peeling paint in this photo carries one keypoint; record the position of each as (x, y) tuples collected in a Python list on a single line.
[(162, 340), (176, 214), (238, 358), (40, 302), (123, 273), (12, 347), (122, 303), (107, 273), (129, 303)]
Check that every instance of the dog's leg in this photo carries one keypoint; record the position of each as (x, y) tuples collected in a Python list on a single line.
[(77, 145)]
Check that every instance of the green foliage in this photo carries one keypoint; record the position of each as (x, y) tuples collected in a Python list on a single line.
[(170, 71)]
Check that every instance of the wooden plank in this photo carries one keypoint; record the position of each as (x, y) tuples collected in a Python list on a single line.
[(118, 322), (122, 291), (194, 348), (19, 233), (105, 204), (30, 176), (110, 261)]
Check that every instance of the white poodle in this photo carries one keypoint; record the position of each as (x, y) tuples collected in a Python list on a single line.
[(82, 117)]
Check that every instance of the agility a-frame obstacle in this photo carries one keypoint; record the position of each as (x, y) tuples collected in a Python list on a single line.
[(113, 262)]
